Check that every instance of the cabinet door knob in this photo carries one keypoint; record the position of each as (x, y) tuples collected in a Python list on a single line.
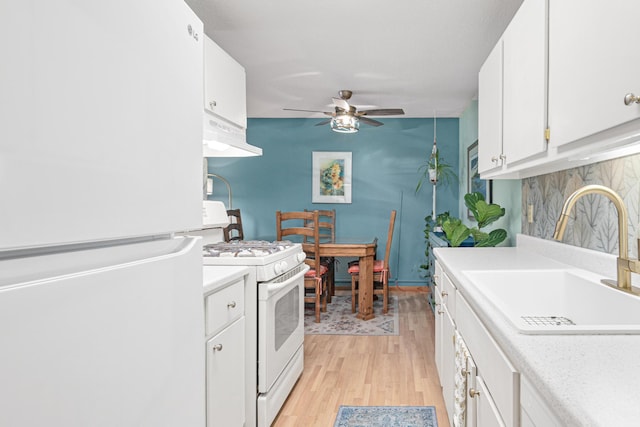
[(217, 347), (494, 159), (464, 372), (473, 392), (440, 311), (503, 157), (232, 304), (212, 104), (631, 98), (444, 293)]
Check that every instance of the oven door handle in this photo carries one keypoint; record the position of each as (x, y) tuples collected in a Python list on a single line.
[(267, 290)]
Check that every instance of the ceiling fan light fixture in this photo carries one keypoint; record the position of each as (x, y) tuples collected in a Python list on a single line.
[(345, 123)]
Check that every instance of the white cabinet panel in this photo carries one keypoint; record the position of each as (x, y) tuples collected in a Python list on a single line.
[(512, 100), (593, 64), (448, 361), (490, 111), (224, 85), (225, 377), (525, 82), (487, 414)]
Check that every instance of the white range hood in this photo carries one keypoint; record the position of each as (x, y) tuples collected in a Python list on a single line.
[(224, 139)]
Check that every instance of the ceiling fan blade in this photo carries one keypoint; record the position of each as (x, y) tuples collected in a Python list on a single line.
[(382, 112), (369, 121), (324, 122), (341, 103), (328, 113)]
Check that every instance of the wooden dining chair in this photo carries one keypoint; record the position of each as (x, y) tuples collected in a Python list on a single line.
[(234, 230), (381, 272), (327, 233), (304, 226)]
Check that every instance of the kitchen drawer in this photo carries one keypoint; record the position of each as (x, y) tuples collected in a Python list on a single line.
[(501, 378), (224, 306), (449, 295)]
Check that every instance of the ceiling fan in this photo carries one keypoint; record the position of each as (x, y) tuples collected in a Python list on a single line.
[(346, 118)]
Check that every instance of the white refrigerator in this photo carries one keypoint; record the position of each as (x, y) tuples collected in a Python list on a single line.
[(101, 307)]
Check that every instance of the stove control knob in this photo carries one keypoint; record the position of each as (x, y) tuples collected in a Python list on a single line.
[(280, 267), (301, 256)]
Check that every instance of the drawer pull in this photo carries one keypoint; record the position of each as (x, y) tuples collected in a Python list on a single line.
[(232, 304), (217, 347), (473, 392), (631, 98)]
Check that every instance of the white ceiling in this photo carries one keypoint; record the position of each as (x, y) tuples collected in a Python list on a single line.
[(419, 55)]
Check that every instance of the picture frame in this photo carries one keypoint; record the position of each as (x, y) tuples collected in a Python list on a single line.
[(331, 177), (474, 182)]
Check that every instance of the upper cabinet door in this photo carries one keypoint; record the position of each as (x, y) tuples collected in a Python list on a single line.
[(593, 64), (525, 82), (490, 111), (225, 92)]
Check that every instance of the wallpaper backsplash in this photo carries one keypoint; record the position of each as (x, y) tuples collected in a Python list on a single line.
[(594, 221)]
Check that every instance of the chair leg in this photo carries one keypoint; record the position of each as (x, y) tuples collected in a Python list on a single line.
[(324, 295), (353, 293), (317, 305), (385, 298)]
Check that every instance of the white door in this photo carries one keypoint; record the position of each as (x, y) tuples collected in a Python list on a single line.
[(490, 111), (592, 65), (100, 120), (225, 377), (105, 337), (525, 83)]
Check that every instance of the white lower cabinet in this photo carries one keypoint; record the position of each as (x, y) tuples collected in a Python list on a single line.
[(488, 391), (225, 377)]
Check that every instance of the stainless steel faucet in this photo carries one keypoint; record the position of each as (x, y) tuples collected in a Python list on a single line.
[(625, 265)]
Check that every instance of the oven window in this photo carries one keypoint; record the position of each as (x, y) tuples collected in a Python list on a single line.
[(287, 316)]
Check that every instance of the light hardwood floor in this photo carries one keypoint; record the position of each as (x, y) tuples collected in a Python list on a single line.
[(368, 370)]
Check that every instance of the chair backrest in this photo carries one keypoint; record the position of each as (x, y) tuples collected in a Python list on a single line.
[(326, 225), (301, 227), (387, 251), (234, 230)]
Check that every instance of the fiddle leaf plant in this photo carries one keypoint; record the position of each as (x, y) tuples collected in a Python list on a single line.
[(484, 213), (455, 231)]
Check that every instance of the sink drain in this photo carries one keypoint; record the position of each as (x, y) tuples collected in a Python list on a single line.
[(547, 320)]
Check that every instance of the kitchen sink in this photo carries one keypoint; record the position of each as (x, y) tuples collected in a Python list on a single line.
[(558, 301)]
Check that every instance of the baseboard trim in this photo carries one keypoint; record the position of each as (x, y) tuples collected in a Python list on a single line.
[(415, 289)]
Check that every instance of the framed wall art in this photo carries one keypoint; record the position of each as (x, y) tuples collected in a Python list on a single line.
[(474, 183), (331, 177)]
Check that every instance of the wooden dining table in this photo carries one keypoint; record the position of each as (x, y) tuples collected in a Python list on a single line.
[(365, 250)]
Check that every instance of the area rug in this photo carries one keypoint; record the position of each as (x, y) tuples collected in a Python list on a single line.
[(339, 320), (386, 416)]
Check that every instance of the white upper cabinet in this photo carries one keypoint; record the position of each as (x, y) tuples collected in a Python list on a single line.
[(490, 112), (567, 68), (593, 64), (513, 93), (225, 93), (525, 83)]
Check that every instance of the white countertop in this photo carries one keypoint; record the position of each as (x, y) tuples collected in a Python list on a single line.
[(587, 380), (214, 277)]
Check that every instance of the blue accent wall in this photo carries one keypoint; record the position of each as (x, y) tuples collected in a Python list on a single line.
[(385, 160)]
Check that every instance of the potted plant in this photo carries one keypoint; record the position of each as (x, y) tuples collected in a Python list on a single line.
[(484, 213)]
